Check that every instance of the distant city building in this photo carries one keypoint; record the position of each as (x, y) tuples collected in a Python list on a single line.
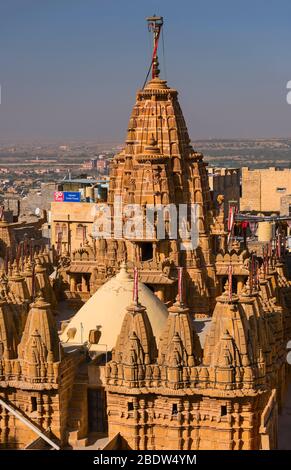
[(71, 225), (99, 163), (264, 189), (64, 147), (90, 164), (102, 165), (71, 222)]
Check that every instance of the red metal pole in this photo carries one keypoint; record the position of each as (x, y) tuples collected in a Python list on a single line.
[(180, 284), (135, 286), (230, 272)]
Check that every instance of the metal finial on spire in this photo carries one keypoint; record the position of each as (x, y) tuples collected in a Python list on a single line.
[(155, 24), (135, 286)]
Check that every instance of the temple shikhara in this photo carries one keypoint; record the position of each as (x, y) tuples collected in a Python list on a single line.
[(149, 343)]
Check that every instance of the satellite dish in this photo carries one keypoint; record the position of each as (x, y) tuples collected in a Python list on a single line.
[(37, 211)]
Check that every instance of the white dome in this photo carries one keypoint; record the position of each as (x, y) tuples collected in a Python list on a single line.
[(105, 311)]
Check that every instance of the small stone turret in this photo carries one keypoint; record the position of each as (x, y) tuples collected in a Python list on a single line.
[(43, 282), (228, 346), (28, 276), (261, 337), (39, 351), (135, 350), (8, 333), (17, 284), (179, 348)]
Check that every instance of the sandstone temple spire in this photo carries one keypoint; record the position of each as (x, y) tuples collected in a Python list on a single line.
[(158, 166)]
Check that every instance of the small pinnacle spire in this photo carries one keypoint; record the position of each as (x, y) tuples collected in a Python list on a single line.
[(40, 295), (123, 266)]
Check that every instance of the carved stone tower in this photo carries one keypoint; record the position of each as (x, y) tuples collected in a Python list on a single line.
[(158, 166)]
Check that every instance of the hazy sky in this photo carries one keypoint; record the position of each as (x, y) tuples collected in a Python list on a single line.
[(69, 69)]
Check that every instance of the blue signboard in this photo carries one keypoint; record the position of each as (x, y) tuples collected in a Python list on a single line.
[(72, 196)]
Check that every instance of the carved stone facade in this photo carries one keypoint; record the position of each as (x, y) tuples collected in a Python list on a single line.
[(157, 166), (180, 398), (36, 378)]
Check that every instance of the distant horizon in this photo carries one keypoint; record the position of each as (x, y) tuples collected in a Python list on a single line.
[(120, 143), (69, 70)]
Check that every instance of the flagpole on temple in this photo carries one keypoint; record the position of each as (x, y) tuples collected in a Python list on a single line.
[(230, 272), (155, 24), (135, 286), (180, 284)]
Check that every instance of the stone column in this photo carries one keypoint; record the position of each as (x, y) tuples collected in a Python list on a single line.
[(73, 283), (240, 284), (155, 252), (84, 284)]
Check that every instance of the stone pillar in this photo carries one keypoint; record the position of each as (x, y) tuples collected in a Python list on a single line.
[(84, 284), (240, 284), (73, 283), (155, 252)]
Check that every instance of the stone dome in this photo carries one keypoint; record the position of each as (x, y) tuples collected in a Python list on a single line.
[(105, 311)]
